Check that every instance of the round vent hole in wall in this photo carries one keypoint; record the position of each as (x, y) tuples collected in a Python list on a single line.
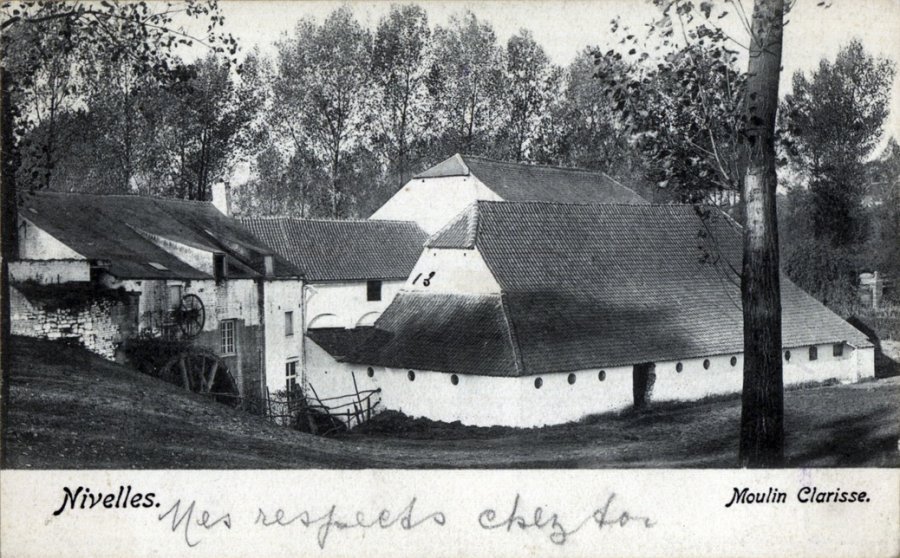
[(571, 379), (706, 364), (454, 379), (601, 375), (538, 383), (734, 361), (411, 375), (370, 372), (679, 367), (787, 355)]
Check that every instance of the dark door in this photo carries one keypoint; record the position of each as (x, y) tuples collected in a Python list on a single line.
[(643, 378)]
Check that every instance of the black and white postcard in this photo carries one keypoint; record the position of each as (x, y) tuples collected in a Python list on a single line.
[(445, 278)]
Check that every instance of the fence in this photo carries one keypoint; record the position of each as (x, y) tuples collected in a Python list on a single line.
[(322, 416)]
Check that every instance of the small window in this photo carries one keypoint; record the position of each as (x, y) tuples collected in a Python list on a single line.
[(218, 267), (837, 349), (290, 375), (454, 379), (813, 352), (227, 329), (787, 356), (370, 372), (706, 364), (679, 367), (734, 361), (571, 379), (538, 383), (601, 375), (288, 324), (373, 290), (411, 375)]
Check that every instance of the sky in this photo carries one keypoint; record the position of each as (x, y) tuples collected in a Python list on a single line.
[(566, 27)]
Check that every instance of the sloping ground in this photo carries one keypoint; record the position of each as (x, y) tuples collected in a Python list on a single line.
[(70, 409)]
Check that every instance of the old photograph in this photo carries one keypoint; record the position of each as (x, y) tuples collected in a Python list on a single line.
[(537, 235)]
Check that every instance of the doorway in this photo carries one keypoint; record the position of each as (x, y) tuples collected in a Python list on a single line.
[(643, 378)]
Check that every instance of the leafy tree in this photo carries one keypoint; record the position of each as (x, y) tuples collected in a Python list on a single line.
[(400, 63), (466, 85), (834, 119), (321, 91), (529, 87), (682, 105)]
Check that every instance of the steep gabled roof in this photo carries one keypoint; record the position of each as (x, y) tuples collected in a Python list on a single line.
[(122, 228), (333, 250), (526, 182), (591, 286)]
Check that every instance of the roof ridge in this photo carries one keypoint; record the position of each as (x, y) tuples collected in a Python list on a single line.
[(324, 220), (591, 204), (540, 166), (119, 195)]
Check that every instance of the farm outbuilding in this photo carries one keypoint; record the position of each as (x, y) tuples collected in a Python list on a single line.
[(530, 313), (352, 270)]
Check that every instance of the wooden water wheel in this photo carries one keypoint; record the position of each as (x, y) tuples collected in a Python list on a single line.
[(202, 371)]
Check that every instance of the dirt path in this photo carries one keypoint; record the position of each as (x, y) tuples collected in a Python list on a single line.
[(69, 409)]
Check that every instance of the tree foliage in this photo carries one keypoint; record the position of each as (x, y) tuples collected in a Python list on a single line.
[(833, 120)]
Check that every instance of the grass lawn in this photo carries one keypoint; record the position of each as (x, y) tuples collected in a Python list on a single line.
[(70, 409)]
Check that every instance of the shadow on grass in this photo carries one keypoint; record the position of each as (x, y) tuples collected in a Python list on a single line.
[(850, 441)]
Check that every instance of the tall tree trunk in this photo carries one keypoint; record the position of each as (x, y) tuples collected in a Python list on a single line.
[(8, 222), (762, 404)]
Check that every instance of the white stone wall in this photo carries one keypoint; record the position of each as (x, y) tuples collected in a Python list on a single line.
[(452, 271), (488, 401), (344, 304), (280, 297), (432, 202), (100, 325), (37, 244), (46, 272)]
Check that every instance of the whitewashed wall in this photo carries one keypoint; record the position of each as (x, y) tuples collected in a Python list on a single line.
[(37, 244), (487, 401), (344, 304), (280, 297), (432, 202), (46, 272), (452, 271)]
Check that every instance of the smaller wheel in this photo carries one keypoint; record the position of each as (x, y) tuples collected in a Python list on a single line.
[(191, 315)]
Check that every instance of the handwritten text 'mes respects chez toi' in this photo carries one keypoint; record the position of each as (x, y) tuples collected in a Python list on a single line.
[(192, 522)]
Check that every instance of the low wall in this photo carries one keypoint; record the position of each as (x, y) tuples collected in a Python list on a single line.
[(488, 401), (99, 324)]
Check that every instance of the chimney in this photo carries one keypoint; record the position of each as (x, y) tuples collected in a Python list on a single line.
[(221, 198)]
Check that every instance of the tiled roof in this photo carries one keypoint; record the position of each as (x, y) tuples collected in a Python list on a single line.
[(453, 333), (526, 182), (121, 229), (332, 250), (591, 286)]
